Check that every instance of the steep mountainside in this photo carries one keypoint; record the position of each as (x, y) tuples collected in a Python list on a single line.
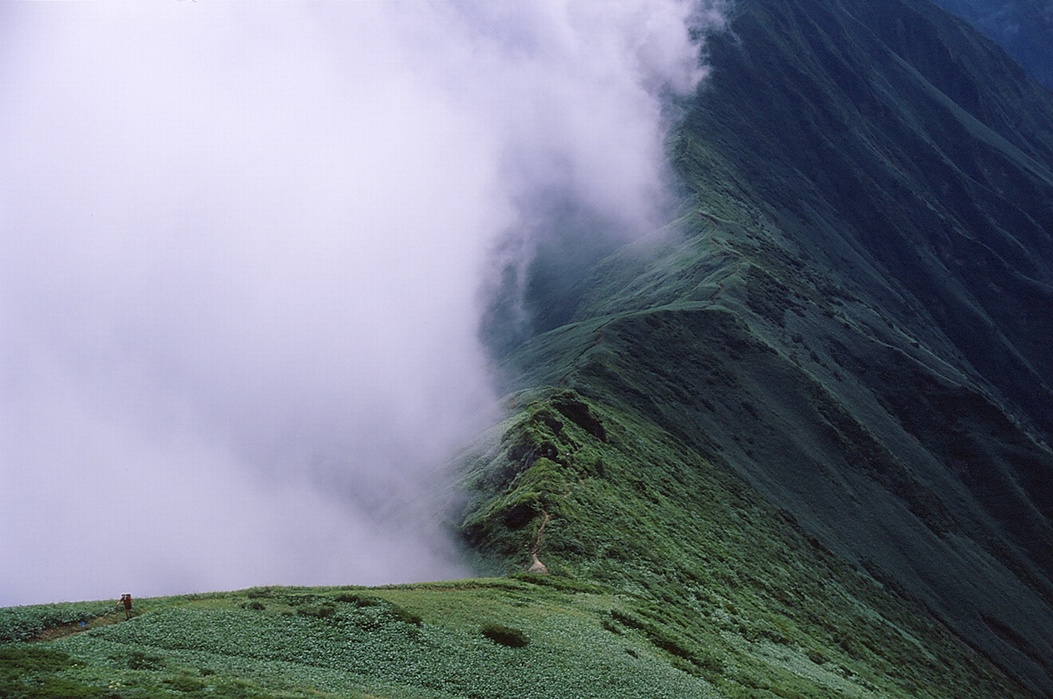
[(853, 315), (1023, 27)]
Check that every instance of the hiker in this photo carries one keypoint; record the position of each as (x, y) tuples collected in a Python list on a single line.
[(126, 599)]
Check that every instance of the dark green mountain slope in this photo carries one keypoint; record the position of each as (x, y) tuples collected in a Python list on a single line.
[(854, 317), (1023, 27)]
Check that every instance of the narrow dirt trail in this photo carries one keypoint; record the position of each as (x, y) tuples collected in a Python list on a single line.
[(53, 633), (537, 566)]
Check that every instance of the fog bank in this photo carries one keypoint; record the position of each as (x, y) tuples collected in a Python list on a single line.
[(244, 253)]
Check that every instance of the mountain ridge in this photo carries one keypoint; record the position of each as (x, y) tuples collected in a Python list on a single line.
[(879, 231), (797, 445)]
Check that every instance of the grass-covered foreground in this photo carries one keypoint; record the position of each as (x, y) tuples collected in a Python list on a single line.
[(480, 638)]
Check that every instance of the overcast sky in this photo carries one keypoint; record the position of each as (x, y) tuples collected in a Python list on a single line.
[(243, 255)]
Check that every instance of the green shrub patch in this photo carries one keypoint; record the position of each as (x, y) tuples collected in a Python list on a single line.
[(505, 635)]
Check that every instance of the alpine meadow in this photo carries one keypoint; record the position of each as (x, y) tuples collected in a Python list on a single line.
[(754, 397)]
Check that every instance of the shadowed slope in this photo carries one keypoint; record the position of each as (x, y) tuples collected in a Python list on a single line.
[(1023, 27), (856, 317)]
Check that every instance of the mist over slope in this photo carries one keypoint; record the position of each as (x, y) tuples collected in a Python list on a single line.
[(856, 322), (243, 251)]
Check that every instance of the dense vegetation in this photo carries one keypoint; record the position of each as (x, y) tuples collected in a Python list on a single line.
[(480, 638), (732, 589), (798, 446)]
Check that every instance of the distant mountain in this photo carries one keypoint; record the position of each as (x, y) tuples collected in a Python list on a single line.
[(1024, 28), (854, 318)]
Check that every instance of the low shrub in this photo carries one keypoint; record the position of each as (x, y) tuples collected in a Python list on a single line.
[(16, 661), (184, 683), (405, 616), (137, 660), (505, 635), (322, 611), (359, 600)]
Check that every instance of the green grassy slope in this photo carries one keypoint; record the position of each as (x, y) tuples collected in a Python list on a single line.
[(854, 317), (479, 638), (738, 591), (685, 584)]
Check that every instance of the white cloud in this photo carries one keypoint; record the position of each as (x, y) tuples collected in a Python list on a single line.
[(241, 253)]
